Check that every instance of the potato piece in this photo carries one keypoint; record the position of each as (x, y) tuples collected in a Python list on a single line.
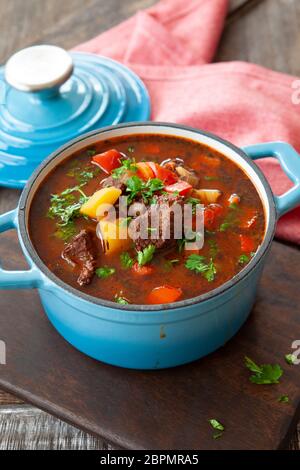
[(207, 196), (103, 196), (114, 234)]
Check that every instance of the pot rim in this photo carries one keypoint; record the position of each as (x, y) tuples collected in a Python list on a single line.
[(268, 236)]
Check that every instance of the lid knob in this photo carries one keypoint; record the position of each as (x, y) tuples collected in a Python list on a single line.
[(39, 68)]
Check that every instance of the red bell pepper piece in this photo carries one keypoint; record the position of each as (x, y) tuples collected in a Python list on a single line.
[(167, 176), (181, 187), (108, 161), (247, 243), (164, 295), (211, 213)]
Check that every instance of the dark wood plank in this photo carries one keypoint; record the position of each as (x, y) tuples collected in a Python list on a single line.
[(7, 399), (163, 409)]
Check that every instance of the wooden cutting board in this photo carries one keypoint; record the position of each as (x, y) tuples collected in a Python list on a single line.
[(167, 409)]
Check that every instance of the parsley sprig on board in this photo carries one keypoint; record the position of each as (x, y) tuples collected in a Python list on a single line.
[(199, 264), (264, 374)]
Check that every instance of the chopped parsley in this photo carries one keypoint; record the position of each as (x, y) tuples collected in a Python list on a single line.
[(199, 264), (137, 187), (218, 427), (283, 399), (290, 359), (127, 164), (146, 255), (83, 175), (105, 272), (264, 374), (65, 207), (91, 152), (225, 226), (213, 248), (215, 424), (243, 259), (169, 264), (126, 260), (119, 299)]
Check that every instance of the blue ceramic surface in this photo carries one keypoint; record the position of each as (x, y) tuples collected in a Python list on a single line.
[(130, 336), (100, 92)]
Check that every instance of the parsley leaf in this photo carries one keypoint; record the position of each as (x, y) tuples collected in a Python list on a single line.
[(219, 427), (146, 255), (263, 374), (83, 175), (127, 164), (104, 272), (126, 260), (216, 424), (213, 250), (283, 399), (243, 259), (91, 152), (198, 264), (290, 359), (119, 299), (137, 187)]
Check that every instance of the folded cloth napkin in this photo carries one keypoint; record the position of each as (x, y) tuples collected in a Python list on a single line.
[(170, 47)]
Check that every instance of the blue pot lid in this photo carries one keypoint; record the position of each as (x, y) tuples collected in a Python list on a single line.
[(50, 97)]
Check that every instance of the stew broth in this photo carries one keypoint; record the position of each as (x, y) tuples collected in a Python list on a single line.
[(234, 222)]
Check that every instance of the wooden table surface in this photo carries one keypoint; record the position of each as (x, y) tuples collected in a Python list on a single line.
[(260, 31)]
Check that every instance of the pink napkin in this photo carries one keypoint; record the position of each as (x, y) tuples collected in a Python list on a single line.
[(170, 46)]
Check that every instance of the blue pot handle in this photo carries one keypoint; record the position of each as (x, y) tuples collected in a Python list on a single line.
[(17, 279), (290, 163)]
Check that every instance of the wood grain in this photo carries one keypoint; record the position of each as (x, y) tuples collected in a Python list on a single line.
[(32, 429), (265, 32)]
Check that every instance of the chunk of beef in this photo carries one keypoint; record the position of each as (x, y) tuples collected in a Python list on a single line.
[(80, 252), (159, 232), (185, 173)]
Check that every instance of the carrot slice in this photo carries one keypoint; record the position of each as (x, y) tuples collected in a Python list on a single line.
[(144, 171), (164, 295)]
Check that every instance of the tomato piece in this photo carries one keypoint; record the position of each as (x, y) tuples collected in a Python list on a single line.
[(142, 270), (164, 295), (144, 171), (249, 219), (182, 187), (167, 176), (108, 161), (211, 213), (247, 243)]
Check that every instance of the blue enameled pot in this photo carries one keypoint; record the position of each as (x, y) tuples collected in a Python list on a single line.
[(155, 336)]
